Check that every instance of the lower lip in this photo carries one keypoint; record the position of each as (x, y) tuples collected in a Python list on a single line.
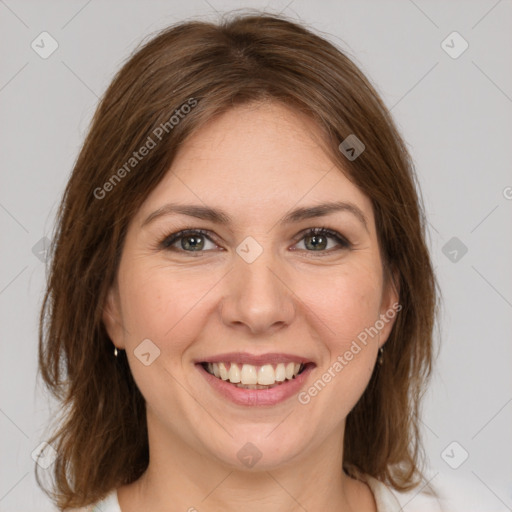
[(270, 396)]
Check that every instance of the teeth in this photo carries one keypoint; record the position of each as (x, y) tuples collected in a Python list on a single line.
[(222, 370), (254, 386), (234, 373), (254, 377), (290, 368), (280, 373), (249, 374), (266, 375)]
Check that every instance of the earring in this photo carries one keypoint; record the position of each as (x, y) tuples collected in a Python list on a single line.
[(380, 357), (115, 351)]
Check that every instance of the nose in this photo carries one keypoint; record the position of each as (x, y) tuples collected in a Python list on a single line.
[(259, 298)]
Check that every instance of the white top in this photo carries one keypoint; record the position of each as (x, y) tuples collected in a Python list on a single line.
[(384, 497), (455, 496)]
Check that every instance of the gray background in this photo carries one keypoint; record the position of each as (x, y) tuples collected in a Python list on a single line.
[(455, 114)]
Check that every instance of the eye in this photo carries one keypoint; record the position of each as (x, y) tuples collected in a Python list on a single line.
[(196, 241), (317, 240), (188, 240)]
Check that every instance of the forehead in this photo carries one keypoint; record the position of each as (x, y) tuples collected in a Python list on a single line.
[(256, 159)]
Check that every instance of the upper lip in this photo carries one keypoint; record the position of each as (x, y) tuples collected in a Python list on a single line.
[(253, 359)]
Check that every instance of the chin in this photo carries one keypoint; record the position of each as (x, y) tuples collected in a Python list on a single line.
[(259, 449)]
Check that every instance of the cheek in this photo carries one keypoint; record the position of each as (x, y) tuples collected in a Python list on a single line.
[(166, 308), (344, 302), (343, 312), (344, 307), (163, 305)]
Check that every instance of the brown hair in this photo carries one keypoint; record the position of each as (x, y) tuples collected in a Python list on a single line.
[(101, 439)]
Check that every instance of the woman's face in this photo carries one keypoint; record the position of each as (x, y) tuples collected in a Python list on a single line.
[(254, 289)]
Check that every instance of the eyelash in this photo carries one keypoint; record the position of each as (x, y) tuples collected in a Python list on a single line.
[(169, 240)]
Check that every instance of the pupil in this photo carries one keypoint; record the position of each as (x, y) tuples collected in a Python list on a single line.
[(193, 242), (315, 243)]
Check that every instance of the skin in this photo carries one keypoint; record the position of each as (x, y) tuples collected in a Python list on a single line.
[(256, 162)]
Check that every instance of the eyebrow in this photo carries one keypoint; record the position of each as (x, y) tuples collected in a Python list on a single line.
[(220, 217)]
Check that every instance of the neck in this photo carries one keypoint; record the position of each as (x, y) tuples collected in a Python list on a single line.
[(182, 476)]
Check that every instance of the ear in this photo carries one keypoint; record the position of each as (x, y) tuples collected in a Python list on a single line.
[(390, 305), (112, 318)]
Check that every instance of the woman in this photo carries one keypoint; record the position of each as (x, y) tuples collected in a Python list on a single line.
[(241, 301)]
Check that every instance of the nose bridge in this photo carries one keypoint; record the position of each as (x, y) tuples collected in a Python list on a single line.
[(257, 296)]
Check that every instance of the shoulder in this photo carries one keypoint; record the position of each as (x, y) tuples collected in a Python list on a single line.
[(452, 494), (107, 504), (390, 500)]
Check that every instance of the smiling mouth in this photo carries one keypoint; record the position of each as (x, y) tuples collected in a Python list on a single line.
[(248, 376)]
